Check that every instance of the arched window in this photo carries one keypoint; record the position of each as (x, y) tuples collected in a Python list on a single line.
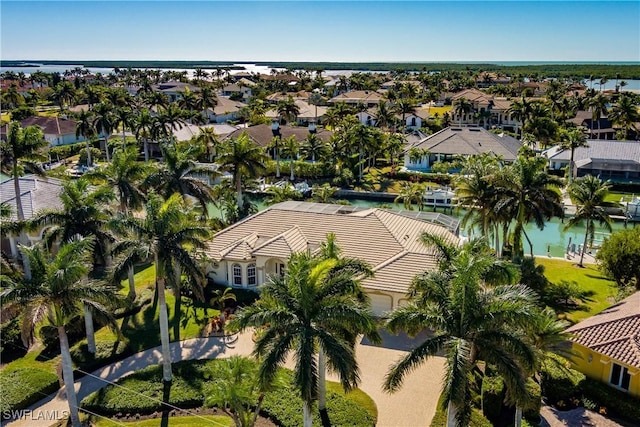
[(251, 275), (237, 274), (413, 121)]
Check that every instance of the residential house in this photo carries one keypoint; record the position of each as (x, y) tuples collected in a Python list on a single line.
[(36, 194), (596, 129), (368, 98), (307, 113), (615, 160), (225, 110), (607, 345), (485, 80), (453, 142), (56, 130), (242, 86), (248, 253), (412, 121), (488, 111), (174, 90), (188, 131)]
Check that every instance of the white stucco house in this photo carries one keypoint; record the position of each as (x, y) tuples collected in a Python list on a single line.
[(247, 253)]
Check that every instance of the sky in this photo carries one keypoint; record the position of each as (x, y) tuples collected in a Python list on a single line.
[(341, 31)]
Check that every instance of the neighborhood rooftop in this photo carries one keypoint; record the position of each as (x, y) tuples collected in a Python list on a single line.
[(36, 194)]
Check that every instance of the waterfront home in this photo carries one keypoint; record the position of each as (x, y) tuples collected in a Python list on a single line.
[(411, 121), (242, 86), (488, 111), (57, 130), (246, 254), (368, 98), (307, 113), (225, 110), (615, 160), (607, 345), (453, 142), (263, 134), (601, 128), (36, 194)]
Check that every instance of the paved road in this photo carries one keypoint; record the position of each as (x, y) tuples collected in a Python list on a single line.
[(413, 406)]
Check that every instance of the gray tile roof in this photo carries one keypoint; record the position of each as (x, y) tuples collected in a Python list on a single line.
[(625, 151), (467, 141), (36, 194)]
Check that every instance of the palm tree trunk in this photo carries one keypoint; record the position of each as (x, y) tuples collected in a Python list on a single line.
[(497, 240), (452, 412), (88, 154), (584, 247), (518, 420), (278, 157), (106, 148), (322, 385), (88, 326), (307, 415), (132, 284), (177, 308), (67, 375), (146, 150), (124, 141), (291, 177), (239, 190), (571, 165), (164, 323), (526, 236)]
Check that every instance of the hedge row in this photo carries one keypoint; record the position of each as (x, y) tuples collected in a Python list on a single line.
[(23, 387), (186, 391)]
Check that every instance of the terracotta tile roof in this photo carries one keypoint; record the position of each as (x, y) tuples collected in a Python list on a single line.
[(386, 240), (614, 332), (51, 125), (306, 110), (262, 134), (356, 96)]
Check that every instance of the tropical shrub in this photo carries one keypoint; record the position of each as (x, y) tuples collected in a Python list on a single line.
[(11, 346)]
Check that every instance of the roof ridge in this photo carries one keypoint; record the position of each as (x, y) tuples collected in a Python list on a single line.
[(378, 211), (574, 328), (391, 260), (276, 237)]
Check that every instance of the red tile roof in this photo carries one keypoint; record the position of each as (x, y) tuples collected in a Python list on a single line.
[(614, 332)]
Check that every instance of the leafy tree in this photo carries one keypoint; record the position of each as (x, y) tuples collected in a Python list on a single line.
[(589, 194), (476, 313), (313, 305), (619, 257), (55, 294)]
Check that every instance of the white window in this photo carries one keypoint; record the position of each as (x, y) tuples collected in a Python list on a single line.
[(620, 376), (251, 275), (237, 274)]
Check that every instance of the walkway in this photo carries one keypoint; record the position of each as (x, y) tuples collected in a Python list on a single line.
[(413, 406)]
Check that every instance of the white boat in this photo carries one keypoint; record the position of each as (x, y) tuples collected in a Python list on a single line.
[(633, 209), (439, 197)]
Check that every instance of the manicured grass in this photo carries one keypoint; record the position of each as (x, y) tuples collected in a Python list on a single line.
[(187, 421), (589, 278), (617, 197), (439, 110)]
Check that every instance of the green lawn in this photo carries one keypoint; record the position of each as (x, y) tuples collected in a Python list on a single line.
[(618, 197), (187, 421), (589, 278)]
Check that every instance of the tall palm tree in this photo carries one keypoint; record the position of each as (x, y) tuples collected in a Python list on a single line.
[(527, 192), (520, 111), (625, 114), (208, 140), (288, 109), (384, 116), (314, 305), (207, 99), (589, 194), (124, 117), (475, 311), (461, 107), (180, 173), (86, 129), (146, 129), (291, 148), (168, 233), (244, 159), (314, 147), (56, 294), (65, 94), (104, 122), (22, 150), (124, 176), (599, 109), (570, 140)]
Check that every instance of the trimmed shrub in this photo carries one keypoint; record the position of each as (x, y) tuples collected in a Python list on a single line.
[(492, 397), (607, 400), (186, 391), (24, 387), (440, 417), (106, 352), (64, 151), (11, 346), (96, 155), (438, 178), (560, 386)]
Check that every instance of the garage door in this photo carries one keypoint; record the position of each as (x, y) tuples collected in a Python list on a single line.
[(380, 304)]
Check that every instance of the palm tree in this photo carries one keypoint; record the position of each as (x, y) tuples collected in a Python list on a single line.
[(56, 294), (124, 175), (288, 109), (314, 147), (208, 140), (475, 311), (12, 97), (168, 233), (146, 129), (244, 159), (104, 122), (291, 148), (521, 111), (599, 108), (86, 129), (314, 305), (207, 99), (527, 192), (64, 93), (462, 106), (324, 193), (572, 139), (477, 194), (180, 173), (625, 114), (410, 193), (589, 194), (384, 116), (124, 117)]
